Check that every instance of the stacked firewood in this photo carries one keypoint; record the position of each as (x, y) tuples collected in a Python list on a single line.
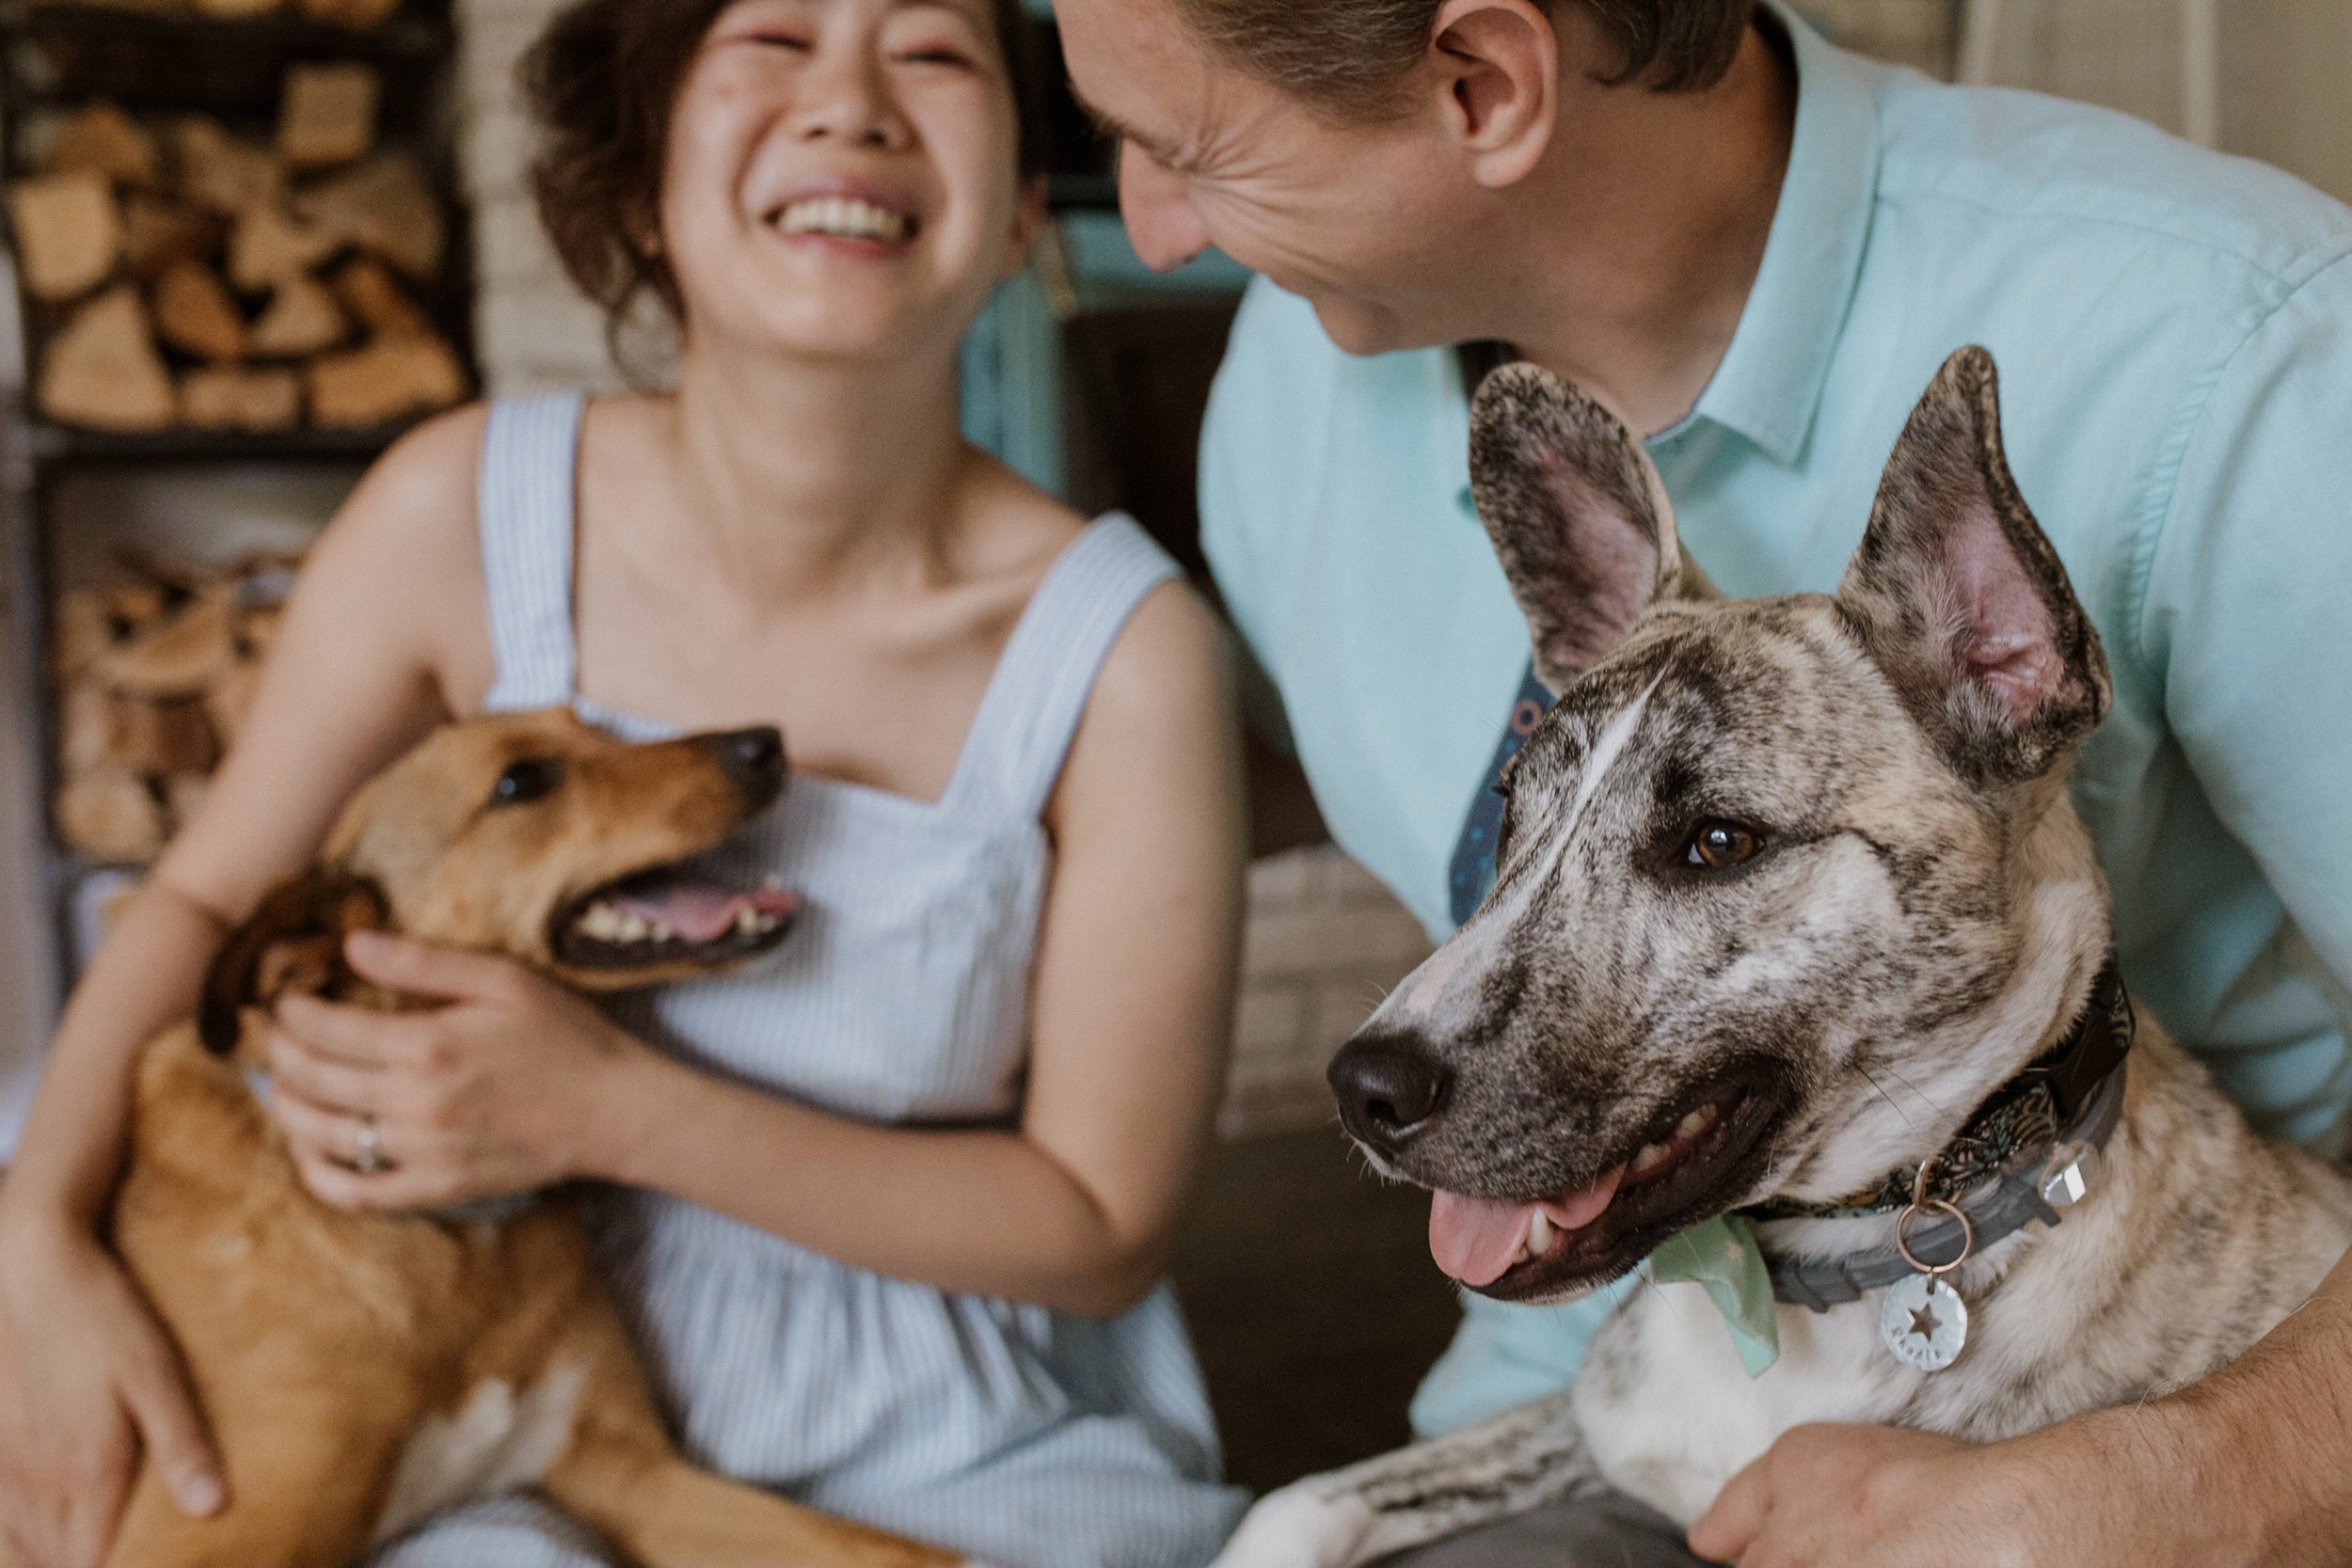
[(199, 278), (154, 671), (358, 14)]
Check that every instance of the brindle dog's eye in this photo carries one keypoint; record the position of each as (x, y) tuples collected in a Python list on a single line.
[(532, 778), (1719, 846)]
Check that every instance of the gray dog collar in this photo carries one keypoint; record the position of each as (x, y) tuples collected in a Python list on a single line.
[(2028, 1190)]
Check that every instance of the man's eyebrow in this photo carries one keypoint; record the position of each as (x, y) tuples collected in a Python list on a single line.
[(1115, 129)]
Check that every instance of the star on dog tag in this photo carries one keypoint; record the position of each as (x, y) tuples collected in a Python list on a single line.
[(1923, 1322)]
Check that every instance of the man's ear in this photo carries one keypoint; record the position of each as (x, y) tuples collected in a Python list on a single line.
[(293, 942), (1499, 65), (1962, 602), (1577, 513)]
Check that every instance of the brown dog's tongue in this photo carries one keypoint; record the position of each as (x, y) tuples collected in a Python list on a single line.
[(1476, 1240), (702, 914)]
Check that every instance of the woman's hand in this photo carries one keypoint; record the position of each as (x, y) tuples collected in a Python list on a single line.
[(500, 1091), (87, 1375)]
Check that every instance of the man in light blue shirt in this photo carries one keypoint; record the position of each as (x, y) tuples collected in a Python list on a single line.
[(1763, 260)]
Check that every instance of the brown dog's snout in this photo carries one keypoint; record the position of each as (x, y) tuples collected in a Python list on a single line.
[(1389, 1088), (754, 758)]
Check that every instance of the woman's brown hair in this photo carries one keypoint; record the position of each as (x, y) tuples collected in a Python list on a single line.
[(601, 82)]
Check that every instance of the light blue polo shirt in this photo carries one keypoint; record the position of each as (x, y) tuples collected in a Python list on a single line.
[(2173, 331)]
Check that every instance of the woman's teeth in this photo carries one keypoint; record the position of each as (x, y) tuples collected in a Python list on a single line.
[(846, 218)]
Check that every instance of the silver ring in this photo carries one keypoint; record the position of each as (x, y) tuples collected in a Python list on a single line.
[(368, 1157)]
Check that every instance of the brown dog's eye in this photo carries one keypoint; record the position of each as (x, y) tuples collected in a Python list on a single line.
[(532, 778), (1719, 846)]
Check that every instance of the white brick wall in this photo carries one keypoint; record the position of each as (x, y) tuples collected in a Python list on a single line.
[(1325, 943)]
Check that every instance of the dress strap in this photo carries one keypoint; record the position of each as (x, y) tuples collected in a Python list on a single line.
[(1022, 731), (529, 469)]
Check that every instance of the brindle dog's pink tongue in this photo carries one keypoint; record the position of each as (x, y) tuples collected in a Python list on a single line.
[(1476, 1240)]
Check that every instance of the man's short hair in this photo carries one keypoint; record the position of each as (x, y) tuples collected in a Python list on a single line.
[(1349, 56)]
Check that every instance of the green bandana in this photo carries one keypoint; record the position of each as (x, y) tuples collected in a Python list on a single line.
[(1722, 1256)]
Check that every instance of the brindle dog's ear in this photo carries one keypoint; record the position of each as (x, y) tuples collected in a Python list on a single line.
[(1960, 600), (1577, 513), (293, 942)]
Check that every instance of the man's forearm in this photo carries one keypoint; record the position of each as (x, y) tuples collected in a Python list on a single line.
[(2247, 1465)]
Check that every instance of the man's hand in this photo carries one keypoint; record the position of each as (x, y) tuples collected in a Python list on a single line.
[(2089, 1491)]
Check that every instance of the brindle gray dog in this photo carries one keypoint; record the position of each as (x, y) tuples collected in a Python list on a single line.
[(1788, 889)]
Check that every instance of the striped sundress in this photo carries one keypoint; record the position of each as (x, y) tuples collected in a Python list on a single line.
[(1016, 1434)]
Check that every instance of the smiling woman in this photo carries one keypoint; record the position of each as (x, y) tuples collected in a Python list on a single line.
[(601, 83)]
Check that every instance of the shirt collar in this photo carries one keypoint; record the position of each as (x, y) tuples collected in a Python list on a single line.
[(1769, 385)]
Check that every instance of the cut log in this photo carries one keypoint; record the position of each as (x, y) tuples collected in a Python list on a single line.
[(377, 301), (158, 233), (351, 13), (223, 172), (110, 815), (230, 698), (134, 604), (194, 314), (104, 142), (385, 205), (90, 727), (67, 233), (302, 318), (231, 397), (101, 368), (269, 248), (386, 380), (80, 628), (326, 114), (176, 657), (168, 738)]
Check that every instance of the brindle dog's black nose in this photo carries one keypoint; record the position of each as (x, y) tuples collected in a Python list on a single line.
[(754, 758), (1388, 1088)]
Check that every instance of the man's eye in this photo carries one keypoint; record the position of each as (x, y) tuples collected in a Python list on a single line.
[(1718, 846), (791, 42), (941, 55), (532, 778)]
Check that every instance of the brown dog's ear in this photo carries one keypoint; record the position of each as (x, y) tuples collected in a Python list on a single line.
[(1960, 600), (293, 942), (1577, 513)]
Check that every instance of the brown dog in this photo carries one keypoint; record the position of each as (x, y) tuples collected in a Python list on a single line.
[(363, 1374)]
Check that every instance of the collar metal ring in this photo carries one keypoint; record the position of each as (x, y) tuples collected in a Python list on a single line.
[(1967, 1235)]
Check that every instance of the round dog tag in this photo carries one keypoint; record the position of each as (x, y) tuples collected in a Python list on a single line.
[(1923, 1322)]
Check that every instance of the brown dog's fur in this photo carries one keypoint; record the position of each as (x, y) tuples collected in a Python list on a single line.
[(328, 1350)]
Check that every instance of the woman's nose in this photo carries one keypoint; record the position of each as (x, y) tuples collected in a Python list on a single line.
[(1162, 223), (843, 101)]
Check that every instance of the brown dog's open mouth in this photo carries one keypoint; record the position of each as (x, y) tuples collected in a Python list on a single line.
[(667, 915), (1516, 1251)]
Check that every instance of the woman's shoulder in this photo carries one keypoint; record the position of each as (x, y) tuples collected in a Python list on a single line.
[(429, 473)]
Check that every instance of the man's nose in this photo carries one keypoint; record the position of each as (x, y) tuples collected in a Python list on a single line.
[(1162, 223), (1389, 1088)]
